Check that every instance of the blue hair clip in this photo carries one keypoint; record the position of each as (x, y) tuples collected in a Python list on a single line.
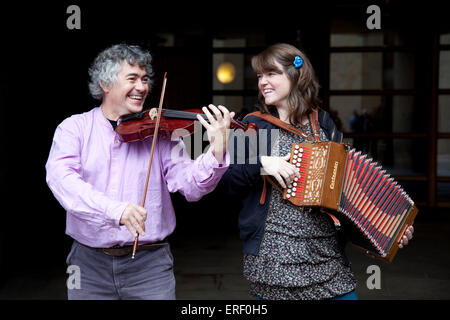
[(298, 62)]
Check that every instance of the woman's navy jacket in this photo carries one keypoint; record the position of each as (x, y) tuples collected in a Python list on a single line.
[(243, 177)]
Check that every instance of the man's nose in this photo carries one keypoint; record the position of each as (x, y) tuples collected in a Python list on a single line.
[(141, 85)]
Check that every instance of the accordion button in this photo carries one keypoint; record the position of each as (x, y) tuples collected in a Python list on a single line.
[(295, 179), (300, 155), (294, 161), (295, 151), (293, 194), (297, 146), (298, 164), (288, 196), (288, 190), (301, 149), (295, 183), (294, 189)]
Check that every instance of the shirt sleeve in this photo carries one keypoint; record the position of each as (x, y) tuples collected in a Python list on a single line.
[(245, 168), (63, 176), (192, 178)]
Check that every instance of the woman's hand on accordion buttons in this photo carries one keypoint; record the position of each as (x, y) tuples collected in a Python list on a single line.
[(280, 168), (406, 237)]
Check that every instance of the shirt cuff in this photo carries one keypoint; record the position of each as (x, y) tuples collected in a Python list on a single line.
[(212, 161), (114, 212)]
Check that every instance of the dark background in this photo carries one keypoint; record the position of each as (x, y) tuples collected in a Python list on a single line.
[(44, 80)]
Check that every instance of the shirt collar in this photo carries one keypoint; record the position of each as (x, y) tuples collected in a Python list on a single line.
[(103, 120)]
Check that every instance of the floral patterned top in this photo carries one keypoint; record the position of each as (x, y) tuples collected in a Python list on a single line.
[(299, 256)]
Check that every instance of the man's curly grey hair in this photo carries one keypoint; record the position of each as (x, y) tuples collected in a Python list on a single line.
[(107, 64)]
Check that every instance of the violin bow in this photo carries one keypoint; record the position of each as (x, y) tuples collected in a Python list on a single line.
[(155, 135)]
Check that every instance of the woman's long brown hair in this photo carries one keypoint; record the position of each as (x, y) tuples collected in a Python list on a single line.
[(304, 94)]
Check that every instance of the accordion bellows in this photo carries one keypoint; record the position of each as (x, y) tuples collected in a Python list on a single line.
[(337, 178)]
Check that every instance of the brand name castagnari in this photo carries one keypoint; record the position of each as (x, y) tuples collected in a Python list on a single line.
[(333, 177)]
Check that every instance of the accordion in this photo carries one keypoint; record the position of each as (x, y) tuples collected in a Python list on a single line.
[(335, 177)]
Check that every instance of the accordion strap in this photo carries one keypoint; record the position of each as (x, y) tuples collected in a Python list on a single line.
[(266, 178), (314, 119), (279, 123)]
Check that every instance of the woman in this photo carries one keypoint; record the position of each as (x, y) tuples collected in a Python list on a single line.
[(289, 252)]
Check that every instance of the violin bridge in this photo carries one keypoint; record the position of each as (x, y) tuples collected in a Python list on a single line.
[(153, 113)]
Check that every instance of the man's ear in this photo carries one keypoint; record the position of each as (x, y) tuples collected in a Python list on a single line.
[(105, 88)]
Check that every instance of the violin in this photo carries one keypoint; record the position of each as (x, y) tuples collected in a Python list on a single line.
[(155, 122), (138, 126)]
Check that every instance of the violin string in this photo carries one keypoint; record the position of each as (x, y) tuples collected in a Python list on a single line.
[(191, 115)]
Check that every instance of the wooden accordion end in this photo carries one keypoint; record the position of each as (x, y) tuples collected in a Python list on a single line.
[(337, 178)]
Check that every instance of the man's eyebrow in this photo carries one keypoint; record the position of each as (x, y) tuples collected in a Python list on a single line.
[(136, 75)]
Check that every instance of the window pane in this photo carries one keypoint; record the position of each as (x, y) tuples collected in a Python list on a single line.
[(443, 191), (444, 70), (356, 70), (379, 114), (443, 158), (228, 71), (239, 38), (405, 161), (403, 67), (403, 115), (242, 105), (345, 33), (412, 36), (232, 103), (229, 42), (250, 103), (364, 70), (444, 113), (445, 38), (349, 108), (251, 81), (417, 190), (399, 157)]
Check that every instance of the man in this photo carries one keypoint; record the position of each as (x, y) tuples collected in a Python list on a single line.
[(100, 181)]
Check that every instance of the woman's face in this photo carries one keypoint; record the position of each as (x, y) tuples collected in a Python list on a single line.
[(275, 87)]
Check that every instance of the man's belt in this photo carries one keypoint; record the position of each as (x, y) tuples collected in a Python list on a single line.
[(123, 251)]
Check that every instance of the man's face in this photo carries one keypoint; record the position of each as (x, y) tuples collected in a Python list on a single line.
[(128, 93)]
